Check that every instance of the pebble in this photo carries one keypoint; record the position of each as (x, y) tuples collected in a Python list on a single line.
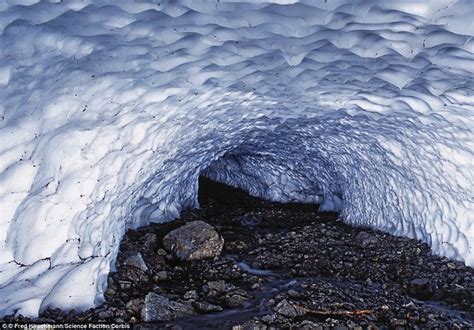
[(136, 260), (161, 275), (205, 307), (293, 294), (191, 295), (158, 308)]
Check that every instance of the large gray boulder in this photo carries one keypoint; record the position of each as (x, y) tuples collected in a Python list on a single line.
[(193, 241), (158, 308)]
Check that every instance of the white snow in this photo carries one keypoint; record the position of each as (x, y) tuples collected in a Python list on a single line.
[(109, 110)]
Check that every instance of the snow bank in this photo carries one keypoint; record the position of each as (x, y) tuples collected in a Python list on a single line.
[(109, 110)]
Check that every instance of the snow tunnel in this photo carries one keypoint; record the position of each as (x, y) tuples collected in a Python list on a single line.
[(110, 111)]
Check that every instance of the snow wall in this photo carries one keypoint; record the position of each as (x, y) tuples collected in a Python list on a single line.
[(109, 110)]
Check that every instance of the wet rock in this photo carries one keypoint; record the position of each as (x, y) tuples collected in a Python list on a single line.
[(193, 241), (293, 294), (135, 259), (205, 307), (158, 308), (289, 309), (255, 286)]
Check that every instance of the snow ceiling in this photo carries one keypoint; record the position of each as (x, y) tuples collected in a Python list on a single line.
[(110, 110)]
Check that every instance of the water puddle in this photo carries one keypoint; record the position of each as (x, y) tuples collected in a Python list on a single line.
[(253, 308), (254, 271), (437, 306)]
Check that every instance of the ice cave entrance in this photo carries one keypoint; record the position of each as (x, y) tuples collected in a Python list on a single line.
[(231, 197)]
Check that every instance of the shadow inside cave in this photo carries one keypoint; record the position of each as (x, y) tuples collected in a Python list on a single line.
[(236, 198)]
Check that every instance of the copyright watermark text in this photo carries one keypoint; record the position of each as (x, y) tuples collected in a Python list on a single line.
[(65, 326)]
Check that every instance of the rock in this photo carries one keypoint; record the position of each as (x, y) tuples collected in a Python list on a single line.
[(398, 323), (307, 324), (288, 309), (366, 239), (255, 286), (420, 288), (161, 275), (410, 305), (135, 259), (269, 318), (110, 292), (235, 300), (191, 295), (362, 235), (218, 286), (133, 275), (105, 314), (161, 252), (193, 241), (250, 219), (121, 313), (148, 241), (205, 307), (134, 305), (125, 285), (420, 282), (158, 308), (293, 294)]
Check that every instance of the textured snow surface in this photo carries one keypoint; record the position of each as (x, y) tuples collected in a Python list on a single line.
[(109, 110)]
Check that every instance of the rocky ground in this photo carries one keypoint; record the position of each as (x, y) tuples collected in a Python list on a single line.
[(282, 265)]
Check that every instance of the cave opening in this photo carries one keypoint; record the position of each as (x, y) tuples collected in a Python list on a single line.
[(234, 198)]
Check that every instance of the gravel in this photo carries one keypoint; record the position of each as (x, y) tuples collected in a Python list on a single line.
[(282, 265)]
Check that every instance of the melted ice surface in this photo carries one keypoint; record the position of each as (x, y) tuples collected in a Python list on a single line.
[(109, 110)]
